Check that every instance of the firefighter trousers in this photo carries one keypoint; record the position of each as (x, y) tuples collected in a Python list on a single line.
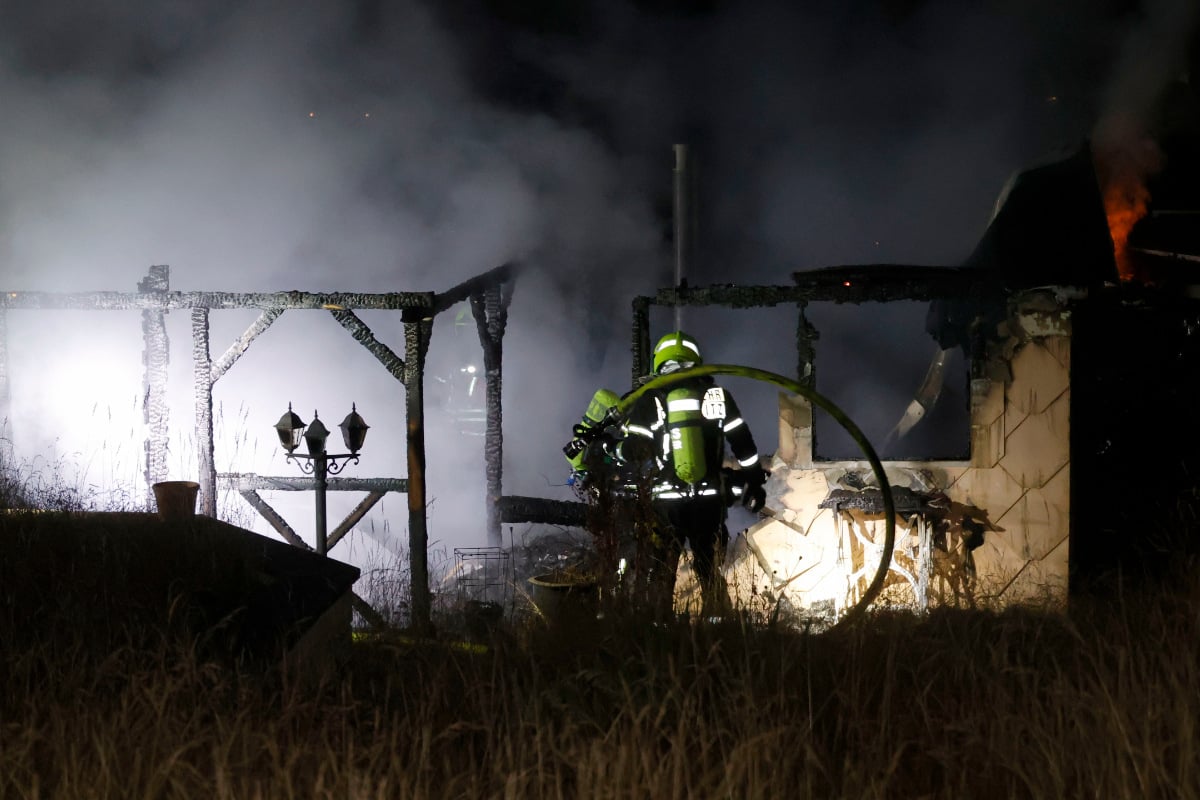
[(700, 522)]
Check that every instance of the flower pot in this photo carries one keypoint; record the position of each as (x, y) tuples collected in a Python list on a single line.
[(565, 597), (176, 500)]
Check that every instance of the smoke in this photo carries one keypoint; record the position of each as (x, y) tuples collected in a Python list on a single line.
[(842, 132), (406, 147), (1128, 152), (290, 151), (834, 133), (271, 147), (1151, 56)]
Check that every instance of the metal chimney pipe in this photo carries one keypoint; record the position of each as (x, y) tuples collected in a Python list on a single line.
[(683, 225)]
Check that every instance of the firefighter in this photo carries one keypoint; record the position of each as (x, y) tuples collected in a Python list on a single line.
[(611, 489), (687, 425), (590, 431), (458, 386)]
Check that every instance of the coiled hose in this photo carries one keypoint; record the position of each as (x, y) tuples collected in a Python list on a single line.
[(829, 407)]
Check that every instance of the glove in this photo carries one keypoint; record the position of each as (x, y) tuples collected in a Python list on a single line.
[(754, 495), (754, 498)]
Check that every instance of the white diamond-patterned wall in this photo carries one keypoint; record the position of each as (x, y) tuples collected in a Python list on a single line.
[(1028, 559), (1039, 446), (1016, 485)]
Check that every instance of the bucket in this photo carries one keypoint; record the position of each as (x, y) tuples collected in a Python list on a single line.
[(176, 500), (565, 600)]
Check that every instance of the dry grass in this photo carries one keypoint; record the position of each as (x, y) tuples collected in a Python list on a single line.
[(1103, 703)]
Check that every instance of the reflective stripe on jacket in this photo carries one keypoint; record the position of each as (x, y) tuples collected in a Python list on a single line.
[(720, 421)]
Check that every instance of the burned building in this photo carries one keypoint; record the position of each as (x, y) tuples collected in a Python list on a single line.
[(1059, 446), (1076, 455)]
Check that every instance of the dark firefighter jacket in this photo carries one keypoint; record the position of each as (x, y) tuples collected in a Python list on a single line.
[(720, 421)]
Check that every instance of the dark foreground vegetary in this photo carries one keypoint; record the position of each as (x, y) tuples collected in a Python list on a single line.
[(1103, 702), (100, 698)]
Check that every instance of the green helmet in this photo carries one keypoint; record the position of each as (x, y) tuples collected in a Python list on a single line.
[(676, 346)]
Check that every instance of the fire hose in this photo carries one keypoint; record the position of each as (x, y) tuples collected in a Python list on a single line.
[(873, 589)]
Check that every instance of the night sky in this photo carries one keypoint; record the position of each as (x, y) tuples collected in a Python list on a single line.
[(407, 146)]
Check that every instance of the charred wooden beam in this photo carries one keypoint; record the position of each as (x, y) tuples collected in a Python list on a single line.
[(729, 295), (870, 500), (235, 351), (156, 355), (273, 518), (372, 617), (505, 273), (243, 481), (353, 518), (1168, 254), (118, 301), (418, 327), (518, 508), (640, 339), (852, 284), (489, 307), (925, 561), (806, 350), (363, 335), (202, 395), (6, 427), (248, 486), (882, 283)]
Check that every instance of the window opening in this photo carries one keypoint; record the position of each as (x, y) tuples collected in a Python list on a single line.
[(874, 360)]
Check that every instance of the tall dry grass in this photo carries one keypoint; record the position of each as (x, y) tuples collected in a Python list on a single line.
[(1102, 702)]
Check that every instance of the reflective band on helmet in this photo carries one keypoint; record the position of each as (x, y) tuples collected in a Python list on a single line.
[(749, 462), (688, 404), (734, 423), (677, 341), (640, 430)]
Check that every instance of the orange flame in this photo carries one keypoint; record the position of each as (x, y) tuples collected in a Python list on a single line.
[(1125, 200), (1126, 157)]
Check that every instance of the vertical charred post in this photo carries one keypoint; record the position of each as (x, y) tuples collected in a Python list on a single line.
[(806, 350), (202, 392), (641, 339), (5, 394), (155, 357), (418, 326), (979, 349), (490, 310)]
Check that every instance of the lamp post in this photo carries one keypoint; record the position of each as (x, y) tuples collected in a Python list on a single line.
[(319, 463)]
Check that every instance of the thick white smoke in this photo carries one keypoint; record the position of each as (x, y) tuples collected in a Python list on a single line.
[(393, 147), (275, 150)]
